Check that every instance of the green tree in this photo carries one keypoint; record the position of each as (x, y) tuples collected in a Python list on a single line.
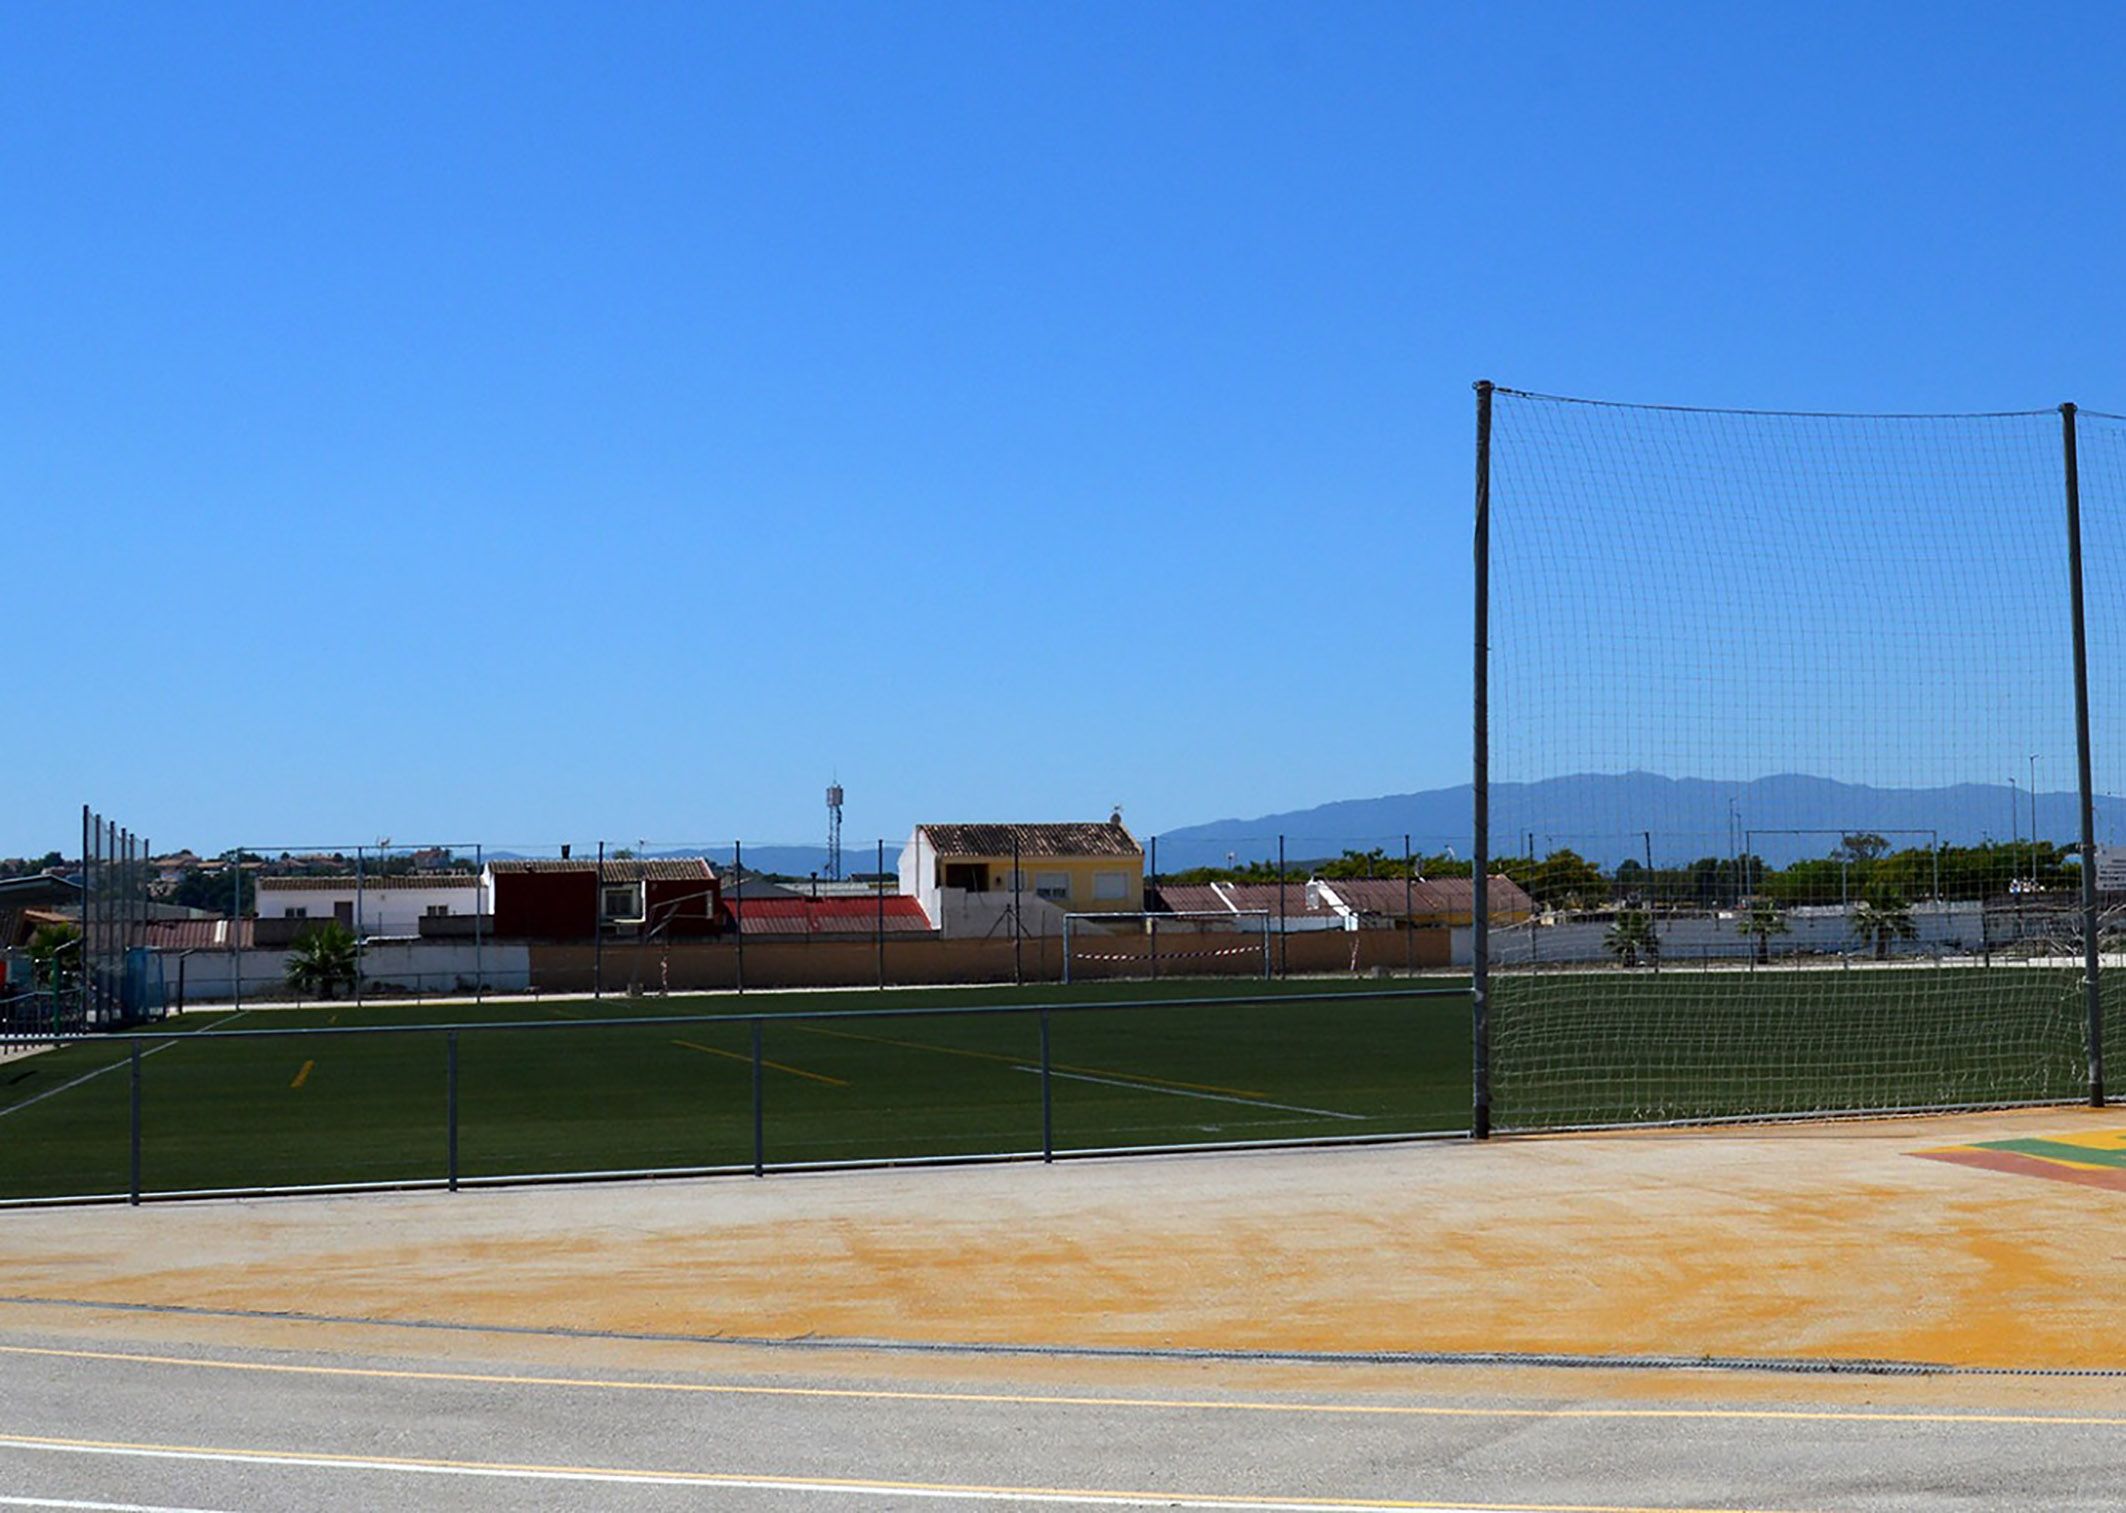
[(1633, 937), (1881, 918), (1764, 919), (55, 956), (322, 961)]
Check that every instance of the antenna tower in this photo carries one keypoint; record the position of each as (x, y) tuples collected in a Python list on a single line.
[(834, 832)]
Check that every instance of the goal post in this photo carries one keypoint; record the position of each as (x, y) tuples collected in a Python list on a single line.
[(1239, 938), (1788, 718)]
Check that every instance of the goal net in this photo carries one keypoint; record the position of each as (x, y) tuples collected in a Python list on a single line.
[(1198, 943), (1782, 747)]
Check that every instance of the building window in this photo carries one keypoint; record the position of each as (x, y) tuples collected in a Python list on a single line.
[(1110, 887), (622, 903), (295, 911), (1053, 885), (438, 911)]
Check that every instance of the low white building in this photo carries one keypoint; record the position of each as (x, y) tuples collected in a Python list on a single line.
[(393, 905)]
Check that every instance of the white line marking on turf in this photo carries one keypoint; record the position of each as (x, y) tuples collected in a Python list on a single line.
[(53, 1092), (96, 1507), (850, 1487), (1175, 1092)]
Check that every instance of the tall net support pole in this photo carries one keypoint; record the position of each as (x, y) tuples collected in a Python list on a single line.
[(1480, 789), (2092, 985)]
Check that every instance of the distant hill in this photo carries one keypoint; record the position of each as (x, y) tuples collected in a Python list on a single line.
[(1605, 817)]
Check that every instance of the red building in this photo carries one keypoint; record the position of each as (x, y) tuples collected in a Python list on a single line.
[(672, 897)]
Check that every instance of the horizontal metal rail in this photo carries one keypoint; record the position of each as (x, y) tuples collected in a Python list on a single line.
[(639, 1021), (730, 1169)]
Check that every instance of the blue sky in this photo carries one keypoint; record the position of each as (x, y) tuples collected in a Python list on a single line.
[(538, 422)]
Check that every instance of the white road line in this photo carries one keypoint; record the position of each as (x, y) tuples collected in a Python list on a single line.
[(95, 1507), (1176, 1092), (53, 1092), (810, 1486)]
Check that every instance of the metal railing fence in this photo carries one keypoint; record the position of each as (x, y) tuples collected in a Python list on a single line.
[(965, 1090)]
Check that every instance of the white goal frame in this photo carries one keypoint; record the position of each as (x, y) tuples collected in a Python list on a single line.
[(1151, 919)]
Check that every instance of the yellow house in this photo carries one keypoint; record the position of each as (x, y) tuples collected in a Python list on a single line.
[(1080, 868)]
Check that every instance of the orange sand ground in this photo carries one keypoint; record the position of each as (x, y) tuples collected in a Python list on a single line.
[(1826, 1240)]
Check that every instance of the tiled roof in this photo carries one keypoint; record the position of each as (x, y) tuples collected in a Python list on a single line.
[(829, 916), (627, 870), (1110, 839), (369, 884)]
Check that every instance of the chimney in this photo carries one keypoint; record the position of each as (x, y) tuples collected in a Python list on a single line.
[(564, 851)]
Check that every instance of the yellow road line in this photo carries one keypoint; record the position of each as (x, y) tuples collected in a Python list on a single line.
[(303, 1076), (748, 1060), (1065, 1066), (970, 1491), (1080, 1400)]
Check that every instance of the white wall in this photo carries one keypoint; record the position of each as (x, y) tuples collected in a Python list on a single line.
[(383, 911), (432, 967), (1951, 929), (919, 877), (963, 915)]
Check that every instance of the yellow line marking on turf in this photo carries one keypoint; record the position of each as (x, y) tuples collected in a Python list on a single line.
[(303, 1076), (1078, 1400), (1067, 1066), (434, 1465), (779, 1066)]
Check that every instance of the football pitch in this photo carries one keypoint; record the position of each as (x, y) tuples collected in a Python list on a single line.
[(570, 1092), (558, 1088)]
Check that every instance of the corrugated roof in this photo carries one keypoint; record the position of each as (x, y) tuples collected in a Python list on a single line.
[(194, 934), (627, 870), (1109, 839), (368, 884), (829, 916)]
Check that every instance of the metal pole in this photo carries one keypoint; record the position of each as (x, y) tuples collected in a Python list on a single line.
[(598, 928), (1409, 915), (450, 1102), (1018, 966), (1048, 1105), (738, 865), (358, 931), (881, 883), (479, 901), (1480, 789), (133, 1191), (1155, 918), (1284, 949), (760, 1127), (81, 956), (236, 920), (1066, 948), (2092, 983)]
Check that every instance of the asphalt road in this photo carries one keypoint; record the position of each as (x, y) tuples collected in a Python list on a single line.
[(115, 1419)]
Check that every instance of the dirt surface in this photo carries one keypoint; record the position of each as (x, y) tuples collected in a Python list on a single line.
[(1823, 1241)]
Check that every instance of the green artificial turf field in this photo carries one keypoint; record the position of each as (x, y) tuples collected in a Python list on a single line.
[(577, 1095)]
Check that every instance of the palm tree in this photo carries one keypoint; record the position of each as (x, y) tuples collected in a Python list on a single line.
[(1764, 919), (322, 961), (1882, 918), (1632, 937)]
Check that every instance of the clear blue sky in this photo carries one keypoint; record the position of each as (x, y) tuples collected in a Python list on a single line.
[(533, 422)]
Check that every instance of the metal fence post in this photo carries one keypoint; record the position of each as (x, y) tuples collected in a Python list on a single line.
[(479, 955), (881, 884), (133, 1180), (1409, 910), (1480, 791), (760, 1127), (1018, 971), (1048, 1102), (1153, 921), (598, 928), (2092, 984), (1284, 934), (738, 867), (450, 1103)]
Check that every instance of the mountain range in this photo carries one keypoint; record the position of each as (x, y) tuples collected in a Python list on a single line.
[(1608, 817)]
